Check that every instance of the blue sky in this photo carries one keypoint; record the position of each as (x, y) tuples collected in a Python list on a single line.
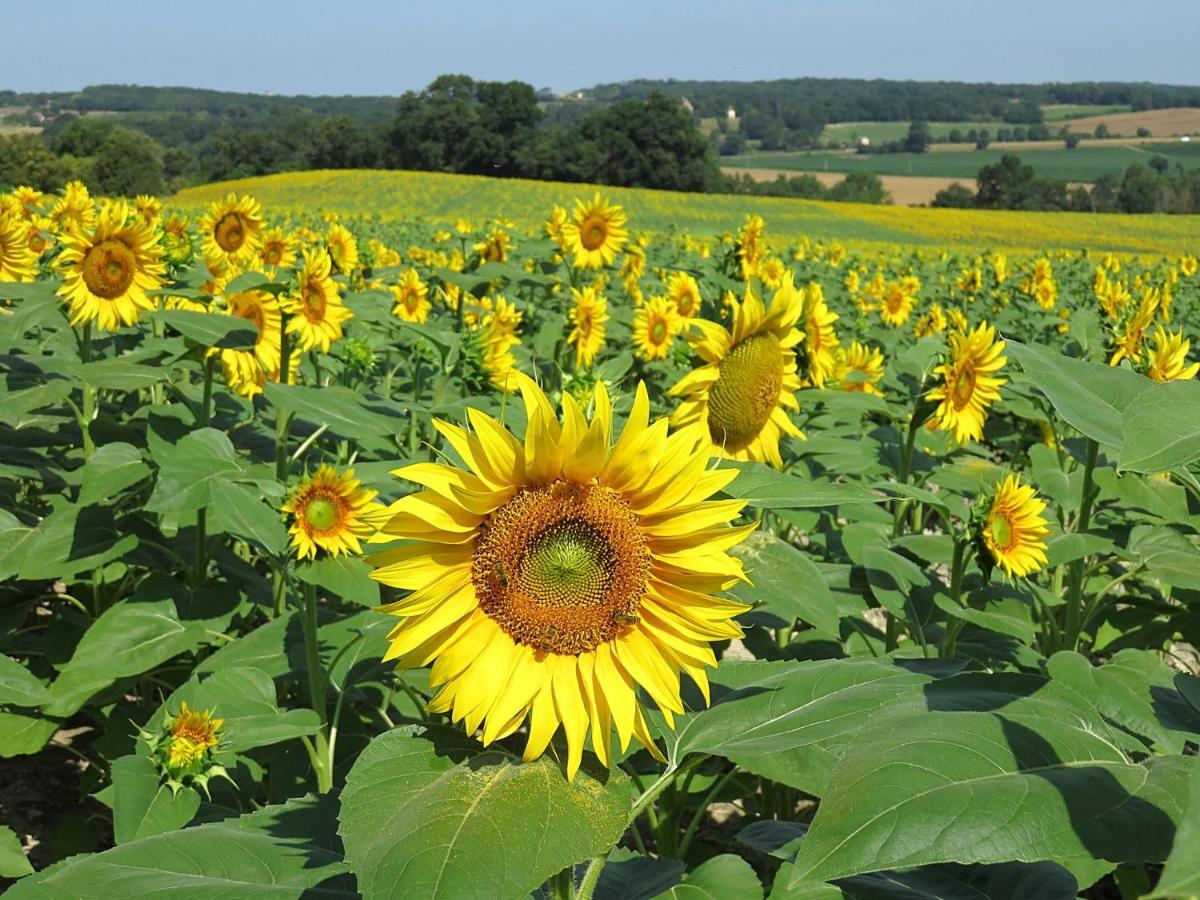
[(382, 47)]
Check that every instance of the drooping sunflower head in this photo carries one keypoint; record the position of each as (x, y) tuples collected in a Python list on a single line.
[(654, 328), (820, 339), (969, 384), (330, 511), (17, 261), (550, 579), (747, 382), (595, 233), (231, 231), (587, 318), (412, 298), (554, 226), (149, 208), (684, 292), (859, 368), (1013, 531), (109, 269), (1167, 360), (343, 248), (315, 305)]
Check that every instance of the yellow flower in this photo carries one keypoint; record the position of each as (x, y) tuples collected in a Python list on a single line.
[(684, 292), (595, 233), (496, 247), (750, 248), (748, 381), (110, 268), (316, 307), (246, 370), (1188, 266), (412, 298), (587, 318), (654, 328), (1128, 340), (343, 249), (149, 208), (969, 383), (1000, 267), (1014, 530), (554, 226), (772, 271), (859, 368), (820, 339), (552, 579), (897, 305), (1167, 359), (331, 511), (278, 249), (74, 209), (231, 231), (17, 261), (193, 735)]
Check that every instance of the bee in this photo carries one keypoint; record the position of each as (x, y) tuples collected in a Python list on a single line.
[(501, 574), (551, 634), (625, 618)]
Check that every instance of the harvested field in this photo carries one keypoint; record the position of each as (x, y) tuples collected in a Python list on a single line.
[(906, 190)]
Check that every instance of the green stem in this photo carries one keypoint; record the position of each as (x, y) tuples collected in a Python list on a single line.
[(702, 809), (200, 568), (321, 756), (1074, 623), (89, 396), (906, 454), (955, 624), (283, 422), (206, 402)]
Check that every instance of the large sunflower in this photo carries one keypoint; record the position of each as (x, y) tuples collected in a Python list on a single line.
[(315, 305), (748, 381), (17, 261), (969, 383), (595, 233), (231, 230), (331, 512), (587, 318), (550, 579), (109, 268), (1013, 530)]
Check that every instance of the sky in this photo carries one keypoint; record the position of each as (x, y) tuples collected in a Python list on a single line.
[(385, 47)]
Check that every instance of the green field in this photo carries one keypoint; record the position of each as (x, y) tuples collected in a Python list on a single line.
[(881, 132), (1085, 163), (1058, 112)]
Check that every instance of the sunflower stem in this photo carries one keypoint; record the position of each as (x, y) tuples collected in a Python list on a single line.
[(1076, 573), (205, 415), (323, 751), (200, 568), (89, 397), (698, 817), (955, 625)]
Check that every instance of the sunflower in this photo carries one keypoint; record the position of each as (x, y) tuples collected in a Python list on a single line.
[(245, 370), (316, 308), (495, 247), (969, 383), (897, 305), (859, 368), (177, 240), (820, 340), (1167, 359), (412, 298), (74, 209), (587, 318), (550, 580), (17, 261), (231, 230), (149, 208), (554, 227), (1014, 531), (750, 248), (748, 381), (1188, 266), (110, 268), (278, 249), (684, 292), (1128, 340), (331, 512), (343, 249), (595, 233), (191, 738), (654, 327), (772, 271)]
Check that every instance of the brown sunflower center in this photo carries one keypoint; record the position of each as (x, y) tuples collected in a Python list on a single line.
[(562, 568), (314, 301), (108, 269), (593, 232), (746, 391), (230, 232), (272, 254), (964, 386), (658, 331)]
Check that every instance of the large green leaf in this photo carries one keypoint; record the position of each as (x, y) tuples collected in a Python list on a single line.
[(18, 686), (20, 407), (446, 818), (1004, 881), (190, 468), (346, 576), (628, 876), (128, 639), (1092, 398), (1162, 430), (764, 487), (723, 877), (1181, 874), (111, 469), (791, 722), (785, 582), (13, 862), (21, 734), (281, 852), (212, 329), (263, 648), (70, 540), (237, 510), (245, 700), (990, 768), (143, 805), (340, 408)]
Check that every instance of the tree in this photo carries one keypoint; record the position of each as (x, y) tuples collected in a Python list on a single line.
[(956, 196), (1007, 184), (917, 139), (733, 144), (1139, 190), (25, 159), (1101, 132), (1143, 132), (955, 136), (1160, 164), (982, 141), (1071, 141), (128, 163), (860, 187)]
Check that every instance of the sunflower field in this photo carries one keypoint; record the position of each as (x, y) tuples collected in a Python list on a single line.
[(360, 556)]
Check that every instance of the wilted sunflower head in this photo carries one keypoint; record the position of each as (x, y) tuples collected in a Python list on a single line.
[(552, 578)]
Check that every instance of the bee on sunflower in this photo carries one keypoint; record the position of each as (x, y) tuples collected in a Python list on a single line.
[(551, 579)]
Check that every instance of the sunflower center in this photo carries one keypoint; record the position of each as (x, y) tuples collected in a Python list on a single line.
[(272, 255), (314, 301), (1003, 533), (593, 232), (964, 386), (745, 393), (230, 233), (108, 269), (658, 331), (562, 568), (320, 513)]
